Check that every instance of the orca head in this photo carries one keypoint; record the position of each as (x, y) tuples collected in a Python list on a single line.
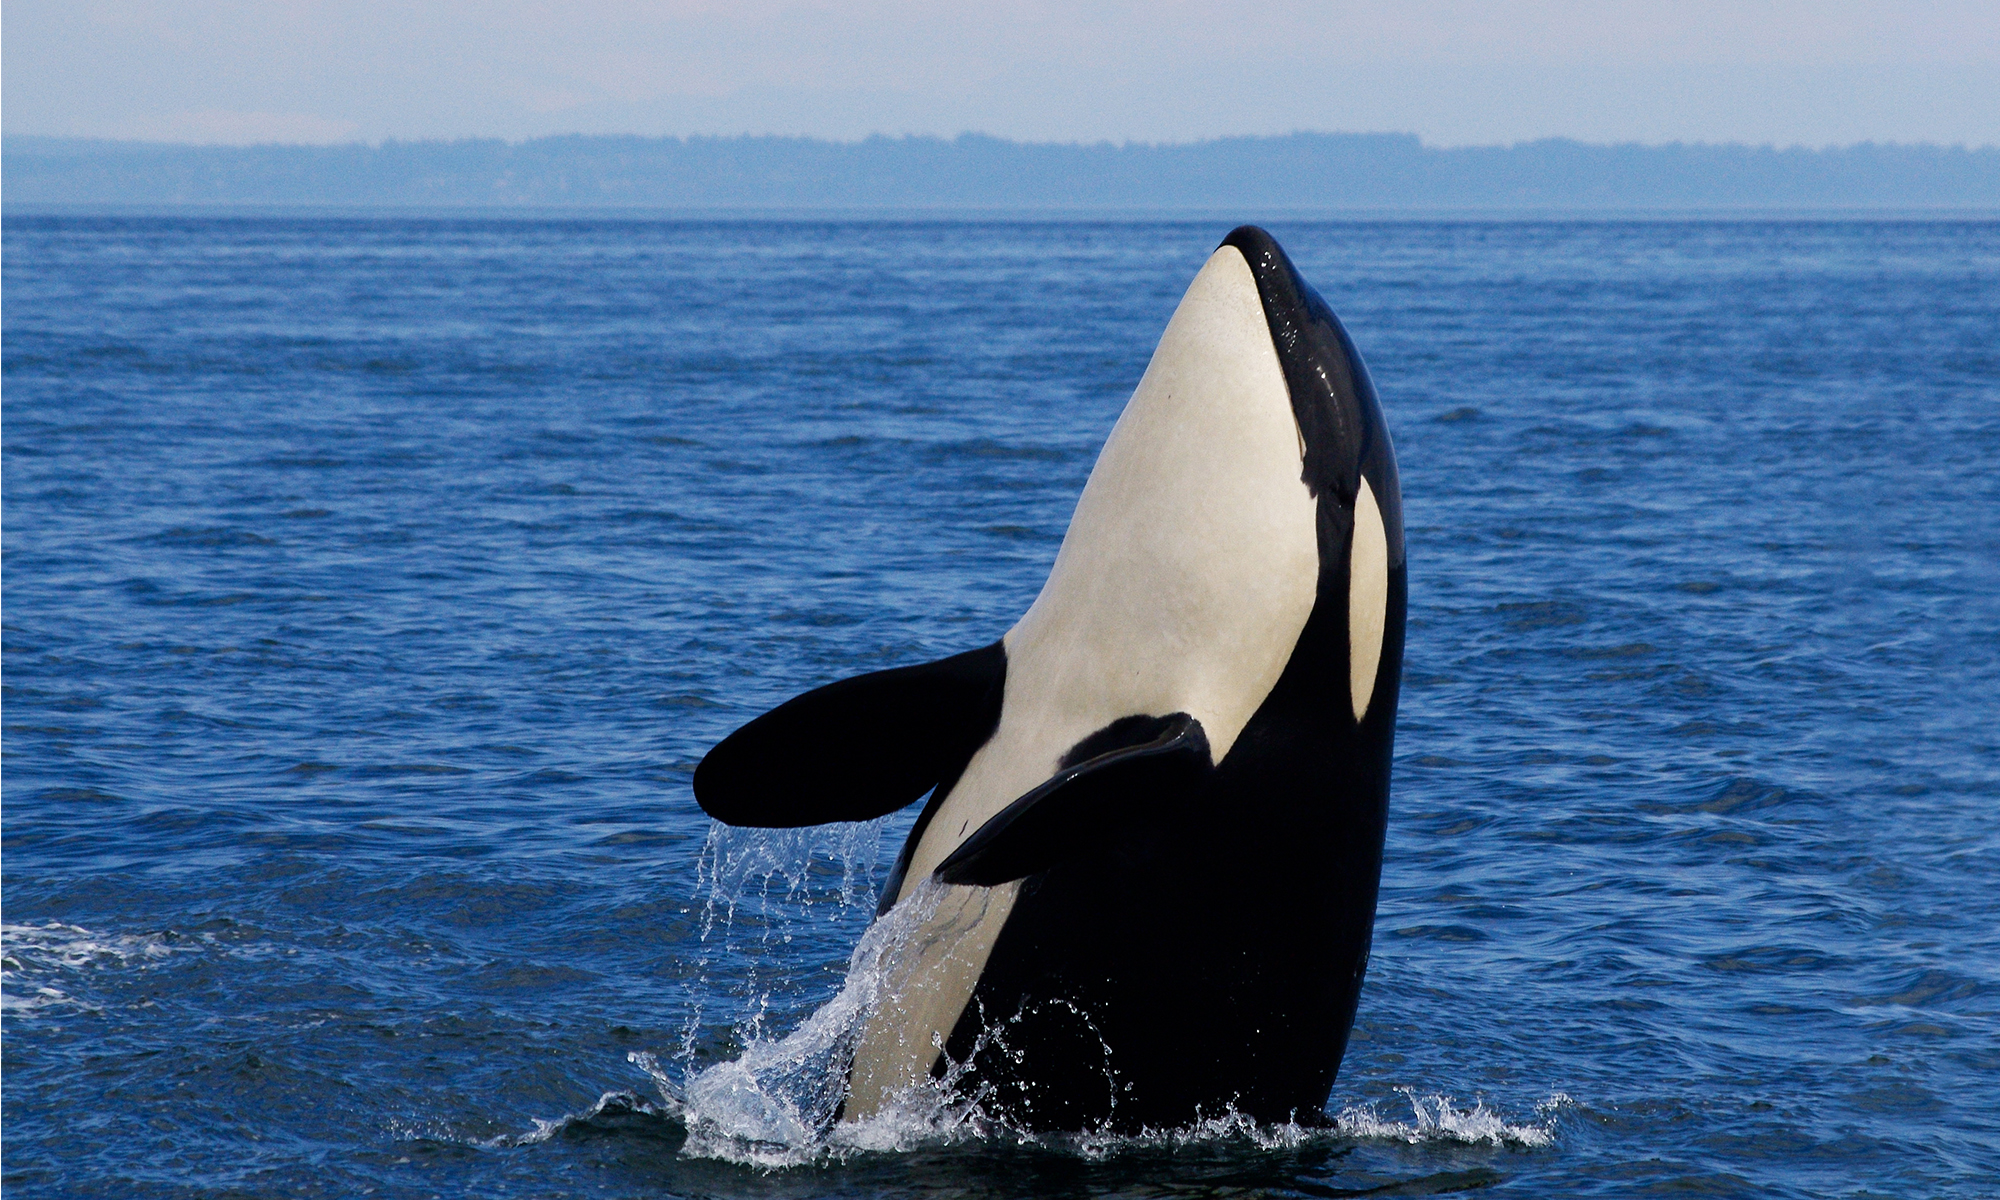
[(1349, 461)]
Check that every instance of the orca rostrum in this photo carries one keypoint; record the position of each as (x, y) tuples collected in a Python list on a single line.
[(1157, 803)]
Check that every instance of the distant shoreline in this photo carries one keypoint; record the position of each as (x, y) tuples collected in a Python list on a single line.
[(1338, 176), (972, 216)]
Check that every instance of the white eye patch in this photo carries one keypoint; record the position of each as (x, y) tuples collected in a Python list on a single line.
[(1367, 599)]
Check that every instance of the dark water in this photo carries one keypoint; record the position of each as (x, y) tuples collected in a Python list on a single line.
[(372, 588)]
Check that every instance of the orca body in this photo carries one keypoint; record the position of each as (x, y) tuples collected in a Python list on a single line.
[(1157, 804)]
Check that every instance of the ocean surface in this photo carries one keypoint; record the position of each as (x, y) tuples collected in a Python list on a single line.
[(372, 587)]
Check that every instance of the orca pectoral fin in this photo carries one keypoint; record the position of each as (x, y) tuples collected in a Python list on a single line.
[(1083, 807), (857, 749)]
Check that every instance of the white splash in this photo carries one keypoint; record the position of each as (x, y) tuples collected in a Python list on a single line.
[(759, 889), (1438, 1118), (776, 1105), (741, 866)]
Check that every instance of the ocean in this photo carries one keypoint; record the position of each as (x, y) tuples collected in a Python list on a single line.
[(372, 585)]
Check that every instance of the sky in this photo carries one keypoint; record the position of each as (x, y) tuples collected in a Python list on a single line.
[(1455, 72)]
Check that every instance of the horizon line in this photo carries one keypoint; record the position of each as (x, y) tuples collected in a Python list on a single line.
[(977, 135)]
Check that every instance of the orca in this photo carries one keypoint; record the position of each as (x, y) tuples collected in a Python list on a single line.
[(1157, 804)]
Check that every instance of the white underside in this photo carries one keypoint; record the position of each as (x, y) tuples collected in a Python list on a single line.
[(1188, 572)]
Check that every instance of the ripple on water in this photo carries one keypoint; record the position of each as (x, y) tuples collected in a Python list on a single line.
[(374, 584)]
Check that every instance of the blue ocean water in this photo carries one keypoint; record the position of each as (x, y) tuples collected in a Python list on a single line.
[(372, 587)]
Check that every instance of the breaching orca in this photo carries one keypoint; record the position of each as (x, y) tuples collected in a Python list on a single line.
[(1159, 800)]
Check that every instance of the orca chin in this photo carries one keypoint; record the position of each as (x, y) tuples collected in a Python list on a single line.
[(1157, 803)]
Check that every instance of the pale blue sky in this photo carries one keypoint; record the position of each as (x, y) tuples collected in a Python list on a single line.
[(1455, 71)]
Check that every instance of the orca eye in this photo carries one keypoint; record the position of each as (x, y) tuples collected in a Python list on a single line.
[(1367, 599)]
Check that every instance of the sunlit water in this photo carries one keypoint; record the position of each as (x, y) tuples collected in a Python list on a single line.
[(373, 586)]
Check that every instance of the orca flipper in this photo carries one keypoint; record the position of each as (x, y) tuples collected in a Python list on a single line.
[(1083, 806), (857, 749)]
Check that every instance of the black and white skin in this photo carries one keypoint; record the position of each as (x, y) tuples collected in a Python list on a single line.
[(1157, 804)]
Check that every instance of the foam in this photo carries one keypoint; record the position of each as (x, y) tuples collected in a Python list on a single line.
[(35, 959)]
